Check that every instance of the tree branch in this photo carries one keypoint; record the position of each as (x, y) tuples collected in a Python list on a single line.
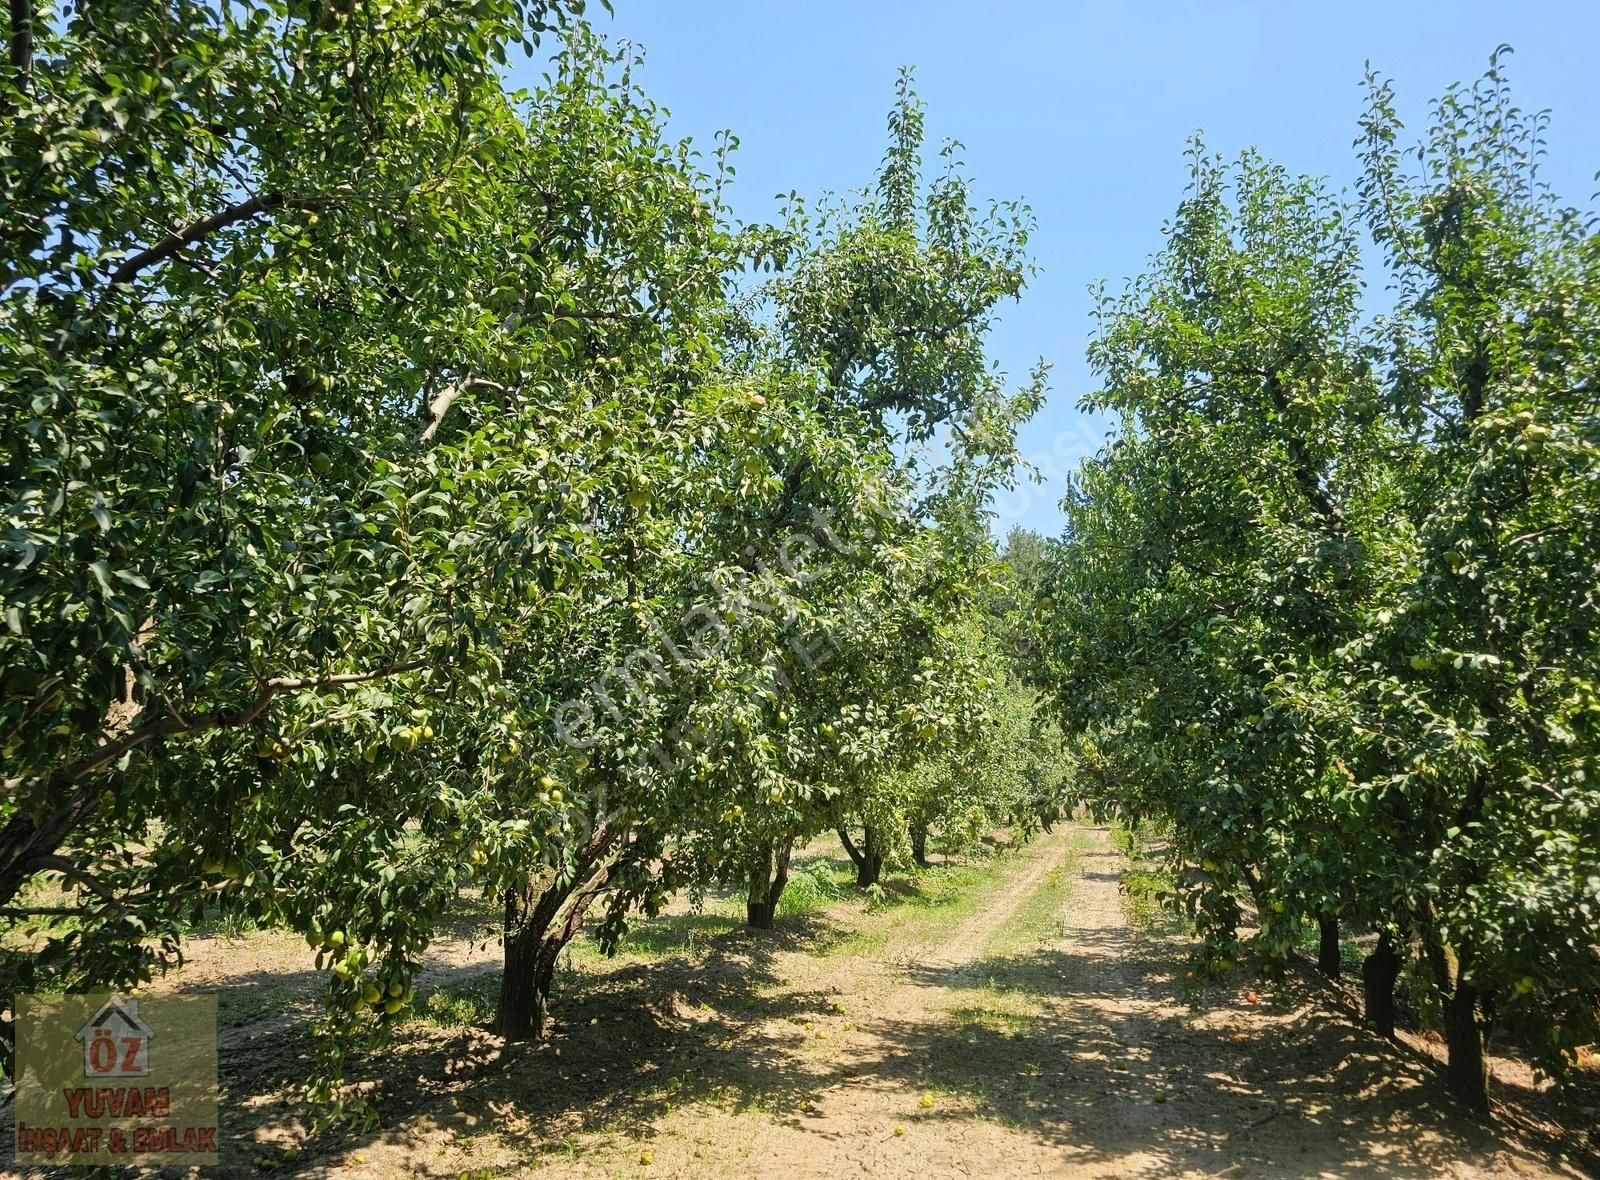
[(849, 845), (446, 398), (1300, 462), (319, 683), (27, 845), (202, 229), (50, 863), (22, 42)]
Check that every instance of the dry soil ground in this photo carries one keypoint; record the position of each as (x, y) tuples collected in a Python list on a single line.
[(1014, 1026)]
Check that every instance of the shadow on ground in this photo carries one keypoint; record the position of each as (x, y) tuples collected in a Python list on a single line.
[(626, 1043), (1097, 1051)]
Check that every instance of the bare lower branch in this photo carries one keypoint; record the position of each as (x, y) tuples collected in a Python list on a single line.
[(446, 398), (318, 683), (202, 229), (27, 842), (50, 863), (173, 726)]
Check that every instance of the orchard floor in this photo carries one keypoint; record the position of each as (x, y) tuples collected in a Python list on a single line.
[(1019, 1026)]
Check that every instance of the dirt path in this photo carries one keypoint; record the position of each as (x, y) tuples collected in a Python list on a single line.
[(1017, 1026), (960, 947), (975, 1050)]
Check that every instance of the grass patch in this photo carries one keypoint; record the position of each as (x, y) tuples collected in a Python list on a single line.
[(1144, 894), (814, 885), (661, 937), (996, 1009), (677, 934), (1147, 884), (918, 906), (1039, 920), (467, 1004), (240, 1006), (924, 905), (222, 921)]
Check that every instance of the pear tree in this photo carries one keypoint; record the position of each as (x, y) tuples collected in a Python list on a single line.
[(1324, 606)]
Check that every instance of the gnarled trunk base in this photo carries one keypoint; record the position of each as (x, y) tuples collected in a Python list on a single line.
[(868, 857), (769, 874), (524, 1010), (540, 919)]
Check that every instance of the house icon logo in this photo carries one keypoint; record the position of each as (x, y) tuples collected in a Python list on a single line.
[(116, 1041)]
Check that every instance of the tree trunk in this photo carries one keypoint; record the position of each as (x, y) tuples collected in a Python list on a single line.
[(769, 873), (1257, 893), (1271, 955), (524, 1009), (1378, 973), (22, 42), (1466, 1071), (539, 922), (757, 911), (530, 969), (919, 845), (780, 875), (870, 867), (868, 858), (849, 846), (870, 872), (1328, 959)]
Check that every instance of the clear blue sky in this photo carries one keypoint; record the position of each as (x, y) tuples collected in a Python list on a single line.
[(1082, 109)]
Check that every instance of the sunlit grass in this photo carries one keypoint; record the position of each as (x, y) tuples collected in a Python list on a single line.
[(1146, 884), (813, 885), (1039, 919), (996, 1009)]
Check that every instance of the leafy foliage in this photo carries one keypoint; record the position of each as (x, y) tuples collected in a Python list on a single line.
[(407, 491), (1326, 606)]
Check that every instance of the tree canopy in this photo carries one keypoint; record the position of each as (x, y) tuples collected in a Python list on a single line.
[(1326, 604), (410, 487), (414, 485)]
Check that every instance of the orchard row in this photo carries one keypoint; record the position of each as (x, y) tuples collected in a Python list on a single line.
[(413, 485), (1329, 606)]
